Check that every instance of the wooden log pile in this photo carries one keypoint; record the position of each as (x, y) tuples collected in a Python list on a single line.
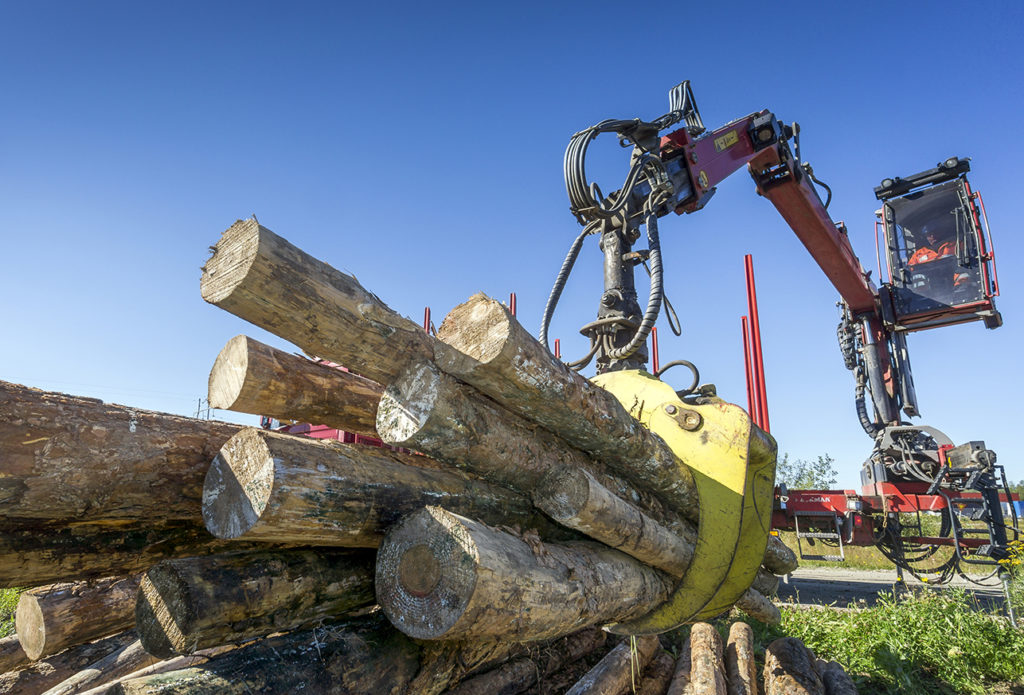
[(200, 557)]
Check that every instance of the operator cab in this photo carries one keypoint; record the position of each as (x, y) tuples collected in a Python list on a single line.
[(941, 270)]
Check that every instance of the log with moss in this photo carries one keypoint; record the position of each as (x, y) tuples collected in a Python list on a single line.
[(191, 604), (250, 377)]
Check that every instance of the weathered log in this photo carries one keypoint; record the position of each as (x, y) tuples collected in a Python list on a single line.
[(12, 656), (495, 354), (778, 558), (574, 498), (266, 486), (765, 583), (789, 669), (740, 668), (680, 683), (250, 377), (443, 576), (109, 687), (52, 618), (120, 662), (758, 606), (520, 674), (44, 674), (707, 667), (357, 657), (618, 670), (81, 459), (187, 605), (657, 676), (835, 679), (260, 277), (33, 554)]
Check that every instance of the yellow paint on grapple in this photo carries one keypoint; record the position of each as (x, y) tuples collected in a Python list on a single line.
[(732, 462)]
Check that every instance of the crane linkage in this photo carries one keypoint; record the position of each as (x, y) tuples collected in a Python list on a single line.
[(912, 469)]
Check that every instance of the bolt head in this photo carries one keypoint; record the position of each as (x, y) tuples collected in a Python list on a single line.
[(670, 409)]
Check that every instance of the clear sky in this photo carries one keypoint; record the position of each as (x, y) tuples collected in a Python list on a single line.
[(419, 146)]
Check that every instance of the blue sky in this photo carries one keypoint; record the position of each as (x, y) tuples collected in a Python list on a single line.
[(420, 147)]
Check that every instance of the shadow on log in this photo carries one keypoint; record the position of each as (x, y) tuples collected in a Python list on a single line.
[(618, 670), (42, 675)]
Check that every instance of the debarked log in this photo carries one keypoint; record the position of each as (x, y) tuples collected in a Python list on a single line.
[(740, 666), (443, 576), (758, 606), (120, 662), (707, 665), (260, 277), (657, 675), (266, 486), (33, 554), (66, 457), (44, 674), (52, 618), (250, 377), (619, 668), (485, 346), (190, 604), (109, 686), (366, 656)]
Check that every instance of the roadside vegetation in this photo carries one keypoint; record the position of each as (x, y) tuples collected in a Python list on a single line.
[(8, 602)]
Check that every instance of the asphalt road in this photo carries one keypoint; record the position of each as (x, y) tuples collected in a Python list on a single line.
[(845, 587)]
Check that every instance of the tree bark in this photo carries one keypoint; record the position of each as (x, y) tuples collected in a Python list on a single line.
[(765, 582), (615, 673), (759, 607), (81, 459), (657, 676), (740, 668), (265, 486), (12, 656), (442, 576), (834, 678), (707, 668), (789, 669), (778, 558), (357, 657), (120, 662), (177, 663), (680, 682), (45, 674), (575, 499), (34, 554), (260, 277), (52, 618), (495, 354), (250, 377), (190, 604)]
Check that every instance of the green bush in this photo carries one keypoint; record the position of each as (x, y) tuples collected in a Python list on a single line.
[(8, 602)]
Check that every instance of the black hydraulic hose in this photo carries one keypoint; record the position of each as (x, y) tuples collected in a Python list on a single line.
[(563, 276), (871, 427)]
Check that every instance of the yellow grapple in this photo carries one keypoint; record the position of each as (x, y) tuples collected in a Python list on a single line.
[(732, 462)]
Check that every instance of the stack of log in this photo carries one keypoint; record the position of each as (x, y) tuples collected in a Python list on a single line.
[(232, 559)]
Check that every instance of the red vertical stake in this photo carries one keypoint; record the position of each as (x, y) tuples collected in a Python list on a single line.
[(558, 349), (755, 341), (751, 398), (426, 319), (512, 303), (654, 349)]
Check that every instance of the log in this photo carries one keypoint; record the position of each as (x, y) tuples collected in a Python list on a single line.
[(834, 678), (707, 667), (778, 558), (759, 607), (194, 603), (266, 486), (789, 669), (443, 576), (70, 458), (657, 676), (44, 674), (497, 356), (618, 670), (38, 554), (765, 583), (258, 276), (12, 656), (356, 657), (740, 667), (574, 498), (680, 683), (120, 662), (250, 377), (52, 618), (179, 662), (520, 674)]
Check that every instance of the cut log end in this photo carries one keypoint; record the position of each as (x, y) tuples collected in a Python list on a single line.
[(478, 329), (227, 378), (28, 617), (231, 260), (243, 472), (162, 612), (426, 572), (407, 404)]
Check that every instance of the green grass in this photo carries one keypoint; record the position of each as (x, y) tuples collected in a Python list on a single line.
[(927, 643), (8, 602)]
